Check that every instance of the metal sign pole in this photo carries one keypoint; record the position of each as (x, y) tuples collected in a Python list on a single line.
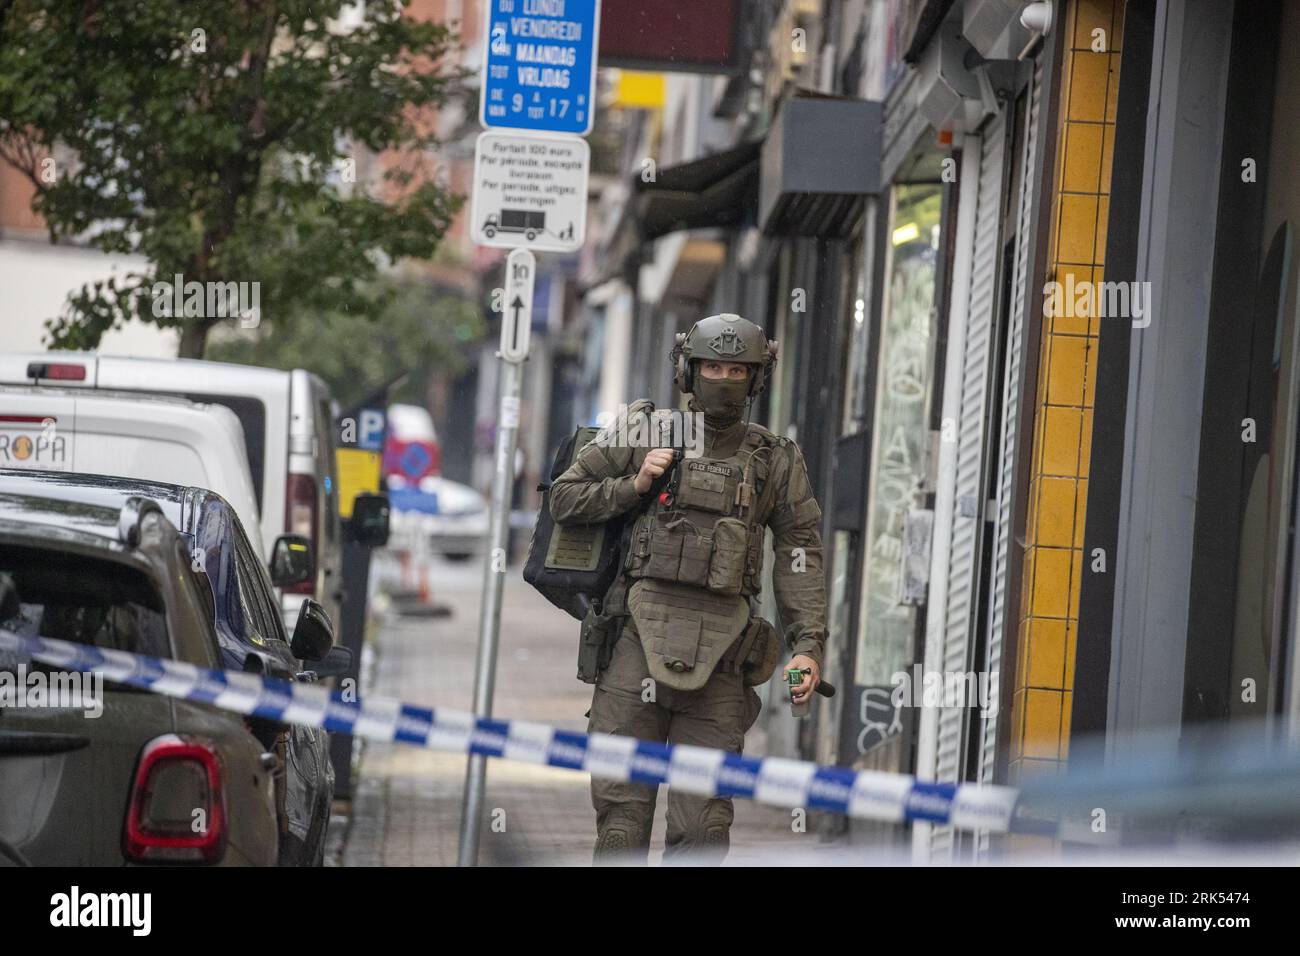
[(516, 326)]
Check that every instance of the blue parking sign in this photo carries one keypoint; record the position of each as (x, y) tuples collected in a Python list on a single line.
[(539, 65)]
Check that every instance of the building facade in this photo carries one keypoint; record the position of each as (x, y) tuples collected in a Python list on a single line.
[(1031, 266)]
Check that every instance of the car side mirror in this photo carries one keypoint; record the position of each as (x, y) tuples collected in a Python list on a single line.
[(369, 521), (292, 561), (313, 635)]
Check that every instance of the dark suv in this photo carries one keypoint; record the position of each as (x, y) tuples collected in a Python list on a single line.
[(165, 571)]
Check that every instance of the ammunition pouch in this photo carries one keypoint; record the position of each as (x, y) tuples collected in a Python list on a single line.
[(718, 559), (596, 645), (728, 560)]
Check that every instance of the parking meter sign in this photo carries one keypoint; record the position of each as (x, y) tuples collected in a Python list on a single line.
[(539, 65), (530, 191), (370, 434)]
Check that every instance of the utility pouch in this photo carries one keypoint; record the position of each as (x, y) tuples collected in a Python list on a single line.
[(729, 556), (680, 643), (697, 557), (764, 654), (665, 554), (596, 645)]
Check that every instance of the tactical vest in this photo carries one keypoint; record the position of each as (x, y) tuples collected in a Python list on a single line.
[(695, 557)]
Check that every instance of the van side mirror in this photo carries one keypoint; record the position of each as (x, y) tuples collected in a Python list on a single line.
[(369, 521), (313, 634), (292, 561)]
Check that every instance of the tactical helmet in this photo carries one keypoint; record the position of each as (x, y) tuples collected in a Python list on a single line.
[(725, 337)]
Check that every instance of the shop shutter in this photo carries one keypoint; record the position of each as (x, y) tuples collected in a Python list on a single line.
[(972, 427), (1006, 467)]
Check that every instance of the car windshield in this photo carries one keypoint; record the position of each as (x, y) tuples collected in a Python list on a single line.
[(85, 600)]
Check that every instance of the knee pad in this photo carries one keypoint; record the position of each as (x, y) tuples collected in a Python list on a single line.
[(716, 836), (712, 828), (620, 832), (613, 841)]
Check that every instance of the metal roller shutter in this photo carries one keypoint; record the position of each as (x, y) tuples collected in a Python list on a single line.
[(968, 511), (1006, 476)]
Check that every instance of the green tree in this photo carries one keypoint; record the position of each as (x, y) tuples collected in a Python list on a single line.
[(214, 140), (419, 331)]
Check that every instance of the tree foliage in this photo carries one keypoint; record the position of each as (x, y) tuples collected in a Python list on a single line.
[(215, 140)]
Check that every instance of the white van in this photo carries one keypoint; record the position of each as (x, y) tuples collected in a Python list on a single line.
[(288, 434), (153, 437)]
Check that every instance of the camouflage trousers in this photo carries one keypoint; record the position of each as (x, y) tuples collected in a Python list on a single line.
[(628, 703)]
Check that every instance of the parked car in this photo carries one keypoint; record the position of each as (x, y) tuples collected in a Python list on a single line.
[(451, 518), (122, 788), (153, 437), (223, 615), (288, 433)]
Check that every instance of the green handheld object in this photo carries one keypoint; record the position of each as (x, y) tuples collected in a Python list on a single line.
[(793, 678)]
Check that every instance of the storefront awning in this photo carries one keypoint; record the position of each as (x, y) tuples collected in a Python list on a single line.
[(719, 191), (819, 191)]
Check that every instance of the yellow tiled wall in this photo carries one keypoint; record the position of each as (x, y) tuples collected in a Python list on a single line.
[(1049, 605)]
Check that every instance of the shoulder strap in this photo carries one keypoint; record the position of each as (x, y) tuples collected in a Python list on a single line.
[(756, 436), (756, 440)]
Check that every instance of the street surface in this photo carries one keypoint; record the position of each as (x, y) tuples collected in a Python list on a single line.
[(407, 802)]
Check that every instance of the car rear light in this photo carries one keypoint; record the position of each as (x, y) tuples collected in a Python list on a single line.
[(57, 371), (300, 518), (178, 804)]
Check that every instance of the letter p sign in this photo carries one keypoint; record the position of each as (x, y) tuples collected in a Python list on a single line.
[(370, 435)]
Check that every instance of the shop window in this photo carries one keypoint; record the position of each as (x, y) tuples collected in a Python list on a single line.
[(901, 428)]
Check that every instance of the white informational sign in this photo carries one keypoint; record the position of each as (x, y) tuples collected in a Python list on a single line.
[(517, 314), (530, 191)]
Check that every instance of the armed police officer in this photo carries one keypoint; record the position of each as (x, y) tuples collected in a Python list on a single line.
[(687, 648)]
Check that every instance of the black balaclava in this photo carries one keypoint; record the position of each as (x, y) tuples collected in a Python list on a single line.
[(721, 400)]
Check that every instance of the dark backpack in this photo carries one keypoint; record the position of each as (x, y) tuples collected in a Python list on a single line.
[(572, 565)]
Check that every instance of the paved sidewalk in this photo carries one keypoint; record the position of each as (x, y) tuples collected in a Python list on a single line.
[(406, 809)]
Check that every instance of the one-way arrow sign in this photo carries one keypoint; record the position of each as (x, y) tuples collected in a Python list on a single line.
[(517, 320)]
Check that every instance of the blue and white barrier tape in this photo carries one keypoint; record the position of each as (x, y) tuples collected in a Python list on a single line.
[(872, 795)]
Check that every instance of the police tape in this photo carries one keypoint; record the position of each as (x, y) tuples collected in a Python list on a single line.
[(866, 794)]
